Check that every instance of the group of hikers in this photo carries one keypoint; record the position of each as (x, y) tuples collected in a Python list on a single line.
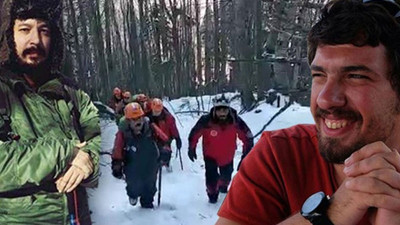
[(143, 144)]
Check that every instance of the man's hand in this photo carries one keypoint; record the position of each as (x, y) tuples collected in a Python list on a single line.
[(117, 167), (72, 178), (376, 171), (372, 181), (192, 154), (81, 168), (84, 162)]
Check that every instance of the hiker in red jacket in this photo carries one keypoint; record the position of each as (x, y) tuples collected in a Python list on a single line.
[(219, 130), (136, 155), (166, 122), (115, 99)]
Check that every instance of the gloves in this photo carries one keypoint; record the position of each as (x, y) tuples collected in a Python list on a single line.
[(116, 166), (84, 162), (192, 154), (178, 142)]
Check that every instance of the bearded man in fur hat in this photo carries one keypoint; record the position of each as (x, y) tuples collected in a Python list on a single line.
[(49, 128)]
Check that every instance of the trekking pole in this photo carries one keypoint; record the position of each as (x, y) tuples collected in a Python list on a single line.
[(159, 185), (180, 157)]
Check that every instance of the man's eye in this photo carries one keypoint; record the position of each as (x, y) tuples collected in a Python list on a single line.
[(24, 30), (316, 75), (358, 76), (45, 31)]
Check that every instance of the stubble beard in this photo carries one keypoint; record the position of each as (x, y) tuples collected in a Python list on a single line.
[(334, 151)]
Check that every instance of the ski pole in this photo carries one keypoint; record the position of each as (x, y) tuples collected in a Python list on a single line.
[(159, 185), (180, 157)]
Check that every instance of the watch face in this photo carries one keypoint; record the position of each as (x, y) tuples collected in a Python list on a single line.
[(312, 203)]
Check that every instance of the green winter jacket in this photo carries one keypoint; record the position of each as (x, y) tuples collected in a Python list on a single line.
[(43, 120)]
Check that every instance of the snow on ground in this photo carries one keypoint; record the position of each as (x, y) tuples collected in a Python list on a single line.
[(183, 197)]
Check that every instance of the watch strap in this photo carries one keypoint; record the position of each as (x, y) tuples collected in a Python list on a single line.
[(321, 219)]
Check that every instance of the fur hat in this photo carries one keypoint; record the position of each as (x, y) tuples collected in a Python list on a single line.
[(47, 10)]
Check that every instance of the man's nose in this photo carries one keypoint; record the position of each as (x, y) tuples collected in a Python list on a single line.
[(35, 38), (331, 95)]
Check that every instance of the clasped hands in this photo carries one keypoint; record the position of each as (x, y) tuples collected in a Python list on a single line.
[(371, 187)]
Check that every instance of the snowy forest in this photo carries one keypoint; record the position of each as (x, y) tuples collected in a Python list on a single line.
[(172, 48)]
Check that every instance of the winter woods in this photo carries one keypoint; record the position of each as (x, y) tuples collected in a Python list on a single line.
[(187, 47)]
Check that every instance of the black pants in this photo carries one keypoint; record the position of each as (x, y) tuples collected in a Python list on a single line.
[(215, 178), (141, 186), (165, 157)]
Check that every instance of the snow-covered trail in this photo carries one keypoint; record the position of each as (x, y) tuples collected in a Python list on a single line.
[(183, 196)]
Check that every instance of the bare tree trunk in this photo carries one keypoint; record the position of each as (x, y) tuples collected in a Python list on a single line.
[(199, 66), (107, 35), (217, 56), (102, 83), (145, 73), (134, 48), (76, 40), (259, 50), (207, 60)]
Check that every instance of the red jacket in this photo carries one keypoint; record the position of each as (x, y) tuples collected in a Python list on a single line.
[(166, 122), (219, 140), (119, 142)]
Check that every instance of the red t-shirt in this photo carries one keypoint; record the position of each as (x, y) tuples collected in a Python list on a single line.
[(279, 174)]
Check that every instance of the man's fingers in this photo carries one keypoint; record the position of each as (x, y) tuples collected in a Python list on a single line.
[(367, 151), (59, 184), (72, 178), (84, 162), (78, 180), (372, 157), (374, 162), (374, 186)]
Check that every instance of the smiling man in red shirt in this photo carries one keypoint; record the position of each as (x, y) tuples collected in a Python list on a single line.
[(352, 151)]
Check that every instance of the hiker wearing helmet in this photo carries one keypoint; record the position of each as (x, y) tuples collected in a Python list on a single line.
[(49, 128), (219, 129), (115, 99), (144, 101), (119, 109), (163, 119), (136, 155)]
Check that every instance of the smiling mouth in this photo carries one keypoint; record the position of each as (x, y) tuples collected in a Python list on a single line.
[(336, 124)]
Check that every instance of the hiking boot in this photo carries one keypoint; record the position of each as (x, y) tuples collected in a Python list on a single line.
[(147, 205), (133, 201), (223, 189), (213, 198)]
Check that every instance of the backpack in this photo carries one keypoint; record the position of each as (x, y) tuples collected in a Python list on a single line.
[(5, 119), (6, 133)]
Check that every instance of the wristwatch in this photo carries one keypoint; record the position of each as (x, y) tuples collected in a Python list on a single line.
[(314, 209)]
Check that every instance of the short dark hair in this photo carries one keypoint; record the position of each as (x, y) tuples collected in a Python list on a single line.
[(359, 24)]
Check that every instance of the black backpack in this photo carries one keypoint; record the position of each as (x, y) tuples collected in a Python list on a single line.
[(6, 133), (5, 120)]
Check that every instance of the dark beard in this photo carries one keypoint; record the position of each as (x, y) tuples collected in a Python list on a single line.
[(39, 74), (331, 150)]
